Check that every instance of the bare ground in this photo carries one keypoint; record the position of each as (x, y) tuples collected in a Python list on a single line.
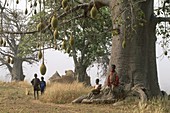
[(14, 100)]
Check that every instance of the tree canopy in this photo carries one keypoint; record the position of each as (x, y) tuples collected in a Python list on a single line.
[(71, 26), (65, 26)]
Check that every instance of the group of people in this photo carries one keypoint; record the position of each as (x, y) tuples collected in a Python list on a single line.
[(112, 81), (38, 85)]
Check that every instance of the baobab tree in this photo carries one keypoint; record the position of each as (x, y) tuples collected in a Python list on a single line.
[(134, 35), (15, 48)]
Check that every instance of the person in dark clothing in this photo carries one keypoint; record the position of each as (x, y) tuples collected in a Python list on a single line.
[(36, 86), (42, 85)]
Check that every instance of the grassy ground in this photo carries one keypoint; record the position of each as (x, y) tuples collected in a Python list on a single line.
[(14, 100)]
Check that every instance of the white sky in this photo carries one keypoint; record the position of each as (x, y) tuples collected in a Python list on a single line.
[(57, 61)]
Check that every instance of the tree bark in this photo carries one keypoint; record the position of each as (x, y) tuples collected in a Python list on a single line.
[(81, 75), (136, 63), (17, 70)]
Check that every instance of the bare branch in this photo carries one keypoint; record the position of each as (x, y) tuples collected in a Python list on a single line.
[(11, 32), (161, 19), (30, 60), (5, 63), (4, 53)]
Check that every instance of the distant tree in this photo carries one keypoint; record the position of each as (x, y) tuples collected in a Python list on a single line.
[(15, 48)]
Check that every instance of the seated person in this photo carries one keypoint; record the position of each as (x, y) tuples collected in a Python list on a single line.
[(97, 88)]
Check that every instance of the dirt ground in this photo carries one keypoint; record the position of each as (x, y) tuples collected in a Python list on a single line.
[(14, 100)]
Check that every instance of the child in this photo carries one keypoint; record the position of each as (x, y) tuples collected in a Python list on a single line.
[(97, 88), (35, 83), (42, 85)]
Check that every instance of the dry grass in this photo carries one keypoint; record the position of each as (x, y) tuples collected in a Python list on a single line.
[(14, 100), (64, 93)]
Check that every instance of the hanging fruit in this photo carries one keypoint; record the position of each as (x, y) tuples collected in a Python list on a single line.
[(55, 34), (93, 11), (64, 44), (1, 41), (38, 45), (165, 52), (67, 8), (26, 11), (71, 40), (31, 5), (8, 59), (35, 3), (40, 54), (68, 50), (4, 43), (35, 11), (17, 1), (43, 68), (54, 22), (64, 3), (40, 26)]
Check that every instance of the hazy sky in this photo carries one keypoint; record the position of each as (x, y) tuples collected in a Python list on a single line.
[(55, 60)]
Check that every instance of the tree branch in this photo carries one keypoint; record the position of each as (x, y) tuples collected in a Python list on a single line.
[(84, 6), (4, 53), (30, 60), (161, 19), (77, 17), (5, 63)]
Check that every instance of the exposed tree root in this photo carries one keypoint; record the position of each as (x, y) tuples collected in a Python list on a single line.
[(110, 96)]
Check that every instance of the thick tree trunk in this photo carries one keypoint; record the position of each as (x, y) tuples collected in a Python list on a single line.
[(80, 72), (136, 63), (17, 70)]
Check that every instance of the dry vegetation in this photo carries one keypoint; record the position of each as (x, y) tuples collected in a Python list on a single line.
[(61, 93), (14, 100)]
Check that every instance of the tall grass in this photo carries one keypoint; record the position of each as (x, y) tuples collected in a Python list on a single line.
[(64, 93), (153, 106), (20, 84)]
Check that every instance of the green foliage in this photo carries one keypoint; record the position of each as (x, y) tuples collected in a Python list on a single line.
[(92, 38)]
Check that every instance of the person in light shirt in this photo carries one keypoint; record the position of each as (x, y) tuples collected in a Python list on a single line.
[(97, 88)]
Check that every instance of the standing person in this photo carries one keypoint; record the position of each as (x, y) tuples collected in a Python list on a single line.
[(42, 85), (36, 86)]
